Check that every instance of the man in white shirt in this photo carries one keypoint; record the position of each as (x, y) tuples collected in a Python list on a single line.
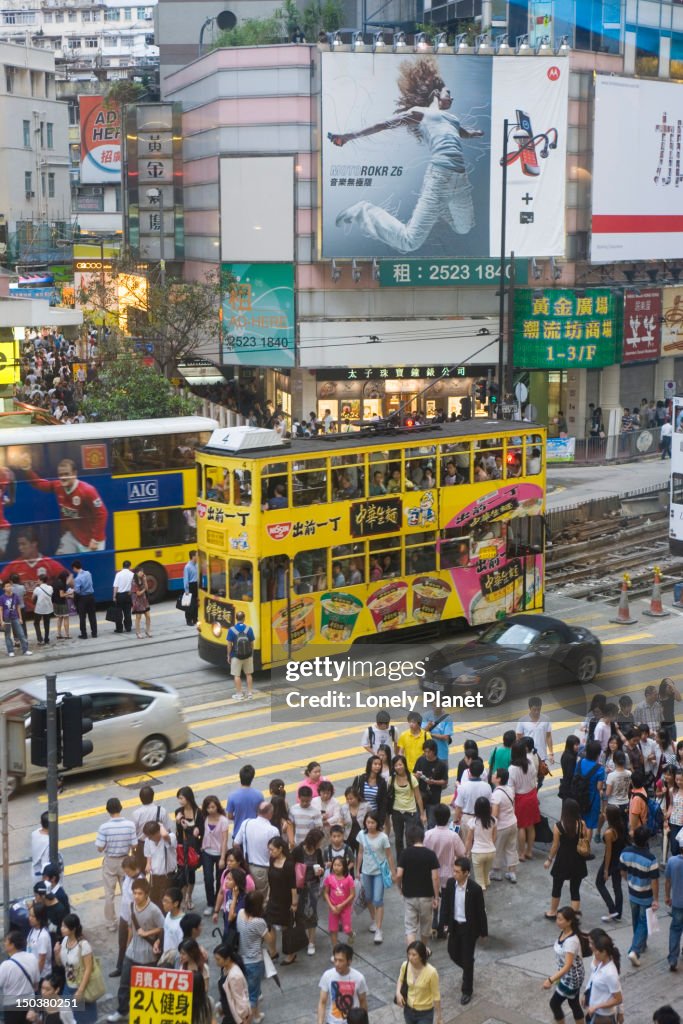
[(468, 794), (19, 975), (40, 849), (538, 727), (341, 988), (122, 599), (148, 811), (603, 730), (380, 733), (304, 816), (253, 837), (161, 859), (503, 809)]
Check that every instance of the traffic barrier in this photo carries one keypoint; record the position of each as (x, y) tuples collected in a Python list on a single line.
[(623, 612), (656, 610)]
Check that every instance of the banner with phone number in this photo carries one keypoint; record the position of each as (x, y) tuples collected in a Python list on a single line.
[(257, 314)]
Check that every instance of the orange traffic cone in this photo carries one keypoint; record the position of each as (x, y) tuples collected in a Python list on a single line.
[(655, 609), (623, 613)]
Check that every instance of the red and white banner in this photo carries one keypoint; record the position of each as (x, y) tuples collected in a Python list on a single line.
[(642, 325)]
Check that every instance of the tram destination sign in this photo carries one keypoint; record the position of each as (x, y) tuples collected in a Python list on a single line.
[(463, 273)]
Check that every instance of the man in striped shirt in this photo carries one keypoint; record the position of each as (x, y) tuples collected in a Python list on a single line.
[(639, 866), (115, 839)]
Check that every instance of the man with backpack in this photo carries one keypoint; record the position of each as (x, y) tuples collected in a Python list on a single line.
[(381, 733), (241, 656)]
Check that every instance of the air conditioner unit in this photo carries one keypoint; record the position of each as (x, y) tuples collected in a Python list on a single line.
[(30, 195)]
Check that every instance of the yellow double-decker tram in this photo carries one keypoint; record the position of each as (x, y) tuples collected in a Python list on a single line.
[(332, 539)]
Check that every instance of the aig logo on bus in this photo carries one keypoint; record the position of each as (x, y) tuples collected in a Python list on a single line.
[(142, 491)]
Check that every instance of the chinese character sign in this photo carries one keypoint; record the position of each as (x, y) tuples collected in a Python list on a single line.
[(100, 140), (258, 314), (160, 996), (672, 325), (560, 329), (371, 517), (642, 325)]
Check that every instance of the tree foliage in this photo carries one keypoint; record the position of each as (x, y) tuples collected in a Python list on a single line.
[(317, 16), (127, 389)]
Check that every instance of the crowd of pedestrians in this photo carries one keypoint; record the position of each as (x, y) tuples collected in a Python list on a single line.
[(279, 870)]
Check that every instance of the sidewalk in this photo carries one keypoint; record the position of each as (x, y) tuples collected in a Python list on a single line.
[(571, 486)]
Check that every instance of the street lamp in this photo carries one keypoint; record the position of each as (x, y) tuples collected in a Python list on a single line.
[(156, 198)]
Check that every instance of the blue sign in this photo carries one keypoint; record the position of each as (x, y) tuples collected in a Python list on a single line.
[(258, 314)]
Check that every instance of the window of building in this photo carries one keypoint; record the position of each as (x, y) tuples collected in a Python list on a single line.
[(421, 552), (50, 135), (385, 558), (310, 574), (74, 42), (10, 78), (112, 14), (59, 17), (50, 185), (241, 579), (26, 125), (142, 13), (96, 16), (348, 477), (647, 51), (128, 13), (348, 565), (36, 83), (676, 65), (73, 112), (28, 182), (216, 575), (47, 17), (91, 43), (72, 16), (420, 463), (309, 482), (86, 15)]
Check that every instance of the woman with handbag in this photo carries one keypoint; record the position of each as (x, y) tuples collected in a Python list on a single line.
[(140, 598), (190, 833), (309, 868), (568, 863), (233, 890), (283, 895), (570, 947), (75, 955), (417, 988), (376, 869)]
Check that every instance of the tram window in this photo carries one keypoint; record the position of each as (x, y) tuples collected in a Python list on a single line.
[(677, 488), (200, 481), (216, 576), (525, 536), (459, 454), (454, 554), (309, 482), (534, 454), (348, 565), (385, 558), (384, 472), (488, 459), (420, 553), (217, 484), (274, 485), (241, 487), (201, 570), (348, 477), (241, 580), (420, 468), (309, 571), (274, 571)]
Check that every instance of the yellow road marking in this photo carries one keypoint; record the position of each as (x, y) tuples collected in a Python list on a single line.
[(626, 639)]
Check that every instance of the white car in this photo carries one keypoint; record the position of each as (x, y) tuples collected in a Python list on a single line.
[(132, 721)]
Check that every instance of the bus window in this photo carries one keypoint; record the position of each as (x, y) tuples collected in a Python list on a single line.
[(534, 449), (274, 486), (348, 565), (190, 525), (348, 477), (200, 481), (274, 575), (217, 484), (420, 463), (142, 454), (384, 472), (309, 571), (309, 482), (488, 455), (677, 488), (241, 487), (161, 527), (385, 558), (459, 456), (455, 553), (420, 553), (241, 580), (201, 571), (525, 536), (181, 451), (216, 576)]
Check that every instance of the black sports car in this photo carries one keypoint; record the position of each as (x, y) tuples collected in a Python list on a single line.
[(520, 653)]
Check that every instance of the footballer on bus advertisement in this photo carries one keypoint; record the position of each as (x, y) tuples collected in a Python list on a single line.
[(412, 155)]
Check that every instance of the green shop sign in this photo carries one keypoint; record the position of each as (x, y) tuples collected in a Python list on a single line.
[(465, 273), (558, 329)]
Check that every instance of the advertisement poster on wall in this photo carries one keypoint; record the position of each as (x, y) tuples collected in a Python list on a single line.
[(642, 326), (637, 215), (100, 140), (672, 321), (258, 314), (412, 150)]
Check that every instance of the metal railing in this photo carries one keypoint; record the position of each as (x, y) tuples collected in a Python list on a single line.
[(629, 446)]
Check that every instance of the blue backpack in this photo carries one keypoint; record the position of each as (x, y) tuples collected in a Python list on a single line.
[(655, 815)]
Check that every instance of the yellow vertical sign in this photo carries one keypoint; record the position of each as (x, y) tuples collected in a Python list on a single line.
[(9, 362)]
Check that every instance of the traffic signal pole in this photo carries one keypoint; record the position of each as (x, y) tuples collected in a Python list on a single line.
[(52, 768), (4, 771)]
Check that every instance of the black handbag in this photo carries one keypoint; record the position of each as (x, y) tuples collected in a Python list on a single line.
[(111, 613), (294, 938), (544, 833)]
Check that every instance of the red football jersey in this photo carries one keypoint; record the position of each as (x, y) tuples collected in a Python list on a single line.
[(82, 511), (27, 572), (6, 478)]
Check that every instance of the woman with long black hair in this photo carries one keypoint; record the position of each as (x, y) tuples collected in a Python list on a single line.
[(522, 778), (567, 864), (568, 765), (371, 788), (190, 833), (233, 992), (404, 800), (614, 838), (603, 995), (569, 974)]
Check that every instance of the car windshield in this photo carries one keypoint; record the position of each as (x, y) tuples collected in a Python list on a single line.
[(509, 634)]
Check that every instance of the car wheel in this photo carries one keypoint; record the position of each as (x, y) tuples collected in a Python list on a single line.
[(153, 753), (495, 690), (587, 668), (157, 582)]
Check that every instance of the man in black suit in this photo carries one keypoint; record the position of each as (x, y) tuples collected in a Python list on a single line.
[(466, 919)]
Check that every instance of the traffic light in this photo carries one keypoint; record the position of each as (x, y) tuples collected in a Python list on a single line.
[(493, 395), (74, 725), (480, 391), (39, 735)]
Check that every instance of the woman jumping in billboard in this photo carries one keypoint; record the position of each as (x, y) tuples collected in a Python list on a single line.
[(446, 193)]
